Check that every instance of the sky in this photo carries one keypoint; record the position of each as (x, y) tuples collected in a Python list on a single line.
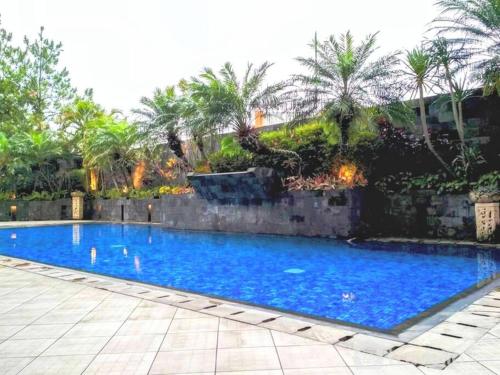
[(123, 49)]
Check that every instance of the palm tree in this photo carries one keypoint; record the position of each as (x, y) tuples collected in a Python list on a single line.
[(226, 101), (450, 58), (112, 146), (344, 81), (160, 119), (420, 68), (475, 23)]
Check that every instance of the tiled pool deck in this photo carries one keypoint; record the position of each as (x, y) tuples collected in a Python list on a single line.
[(57, 321)]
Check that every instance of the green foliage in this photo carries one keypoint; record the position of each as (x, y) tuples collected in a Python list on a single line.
[(231, 157), (44, 195)]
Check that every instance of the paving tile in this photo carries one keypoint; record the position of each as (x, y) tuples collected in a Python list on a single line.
[(233, 325), (253, 316), (24, 348), (258, 372), (485, 350), (189, 341), (153, 313), (355, 358), (196, 304), (492, 366), (286, 339), (106, 315), (188, 314), (319, 371), (223, 310), (419, 355), (186, 361), (459, 368), (464, 358), (459, 330), (99, 329), (77, 345), (8, 331), (246, 359), (144, 327), (194, 325), (386, 370), (447, 343), (49, 331), (244, 339), (12, 366), (473, 319), (67, 365), (133, 344), (286, 324), (330, 335), (370, 344), (310, 356), (121, 364)]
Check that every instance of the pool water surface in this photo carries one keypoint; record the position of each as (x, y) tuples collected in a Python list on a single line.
[(378, 286)]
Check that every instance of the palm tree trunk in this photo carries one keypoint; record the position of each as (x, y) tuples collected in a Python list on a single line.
[(345, 123), (425, 130), (175, 145)]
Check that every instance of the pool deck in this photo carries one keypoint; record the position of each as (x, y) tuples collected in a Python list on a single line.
[(60, 321)]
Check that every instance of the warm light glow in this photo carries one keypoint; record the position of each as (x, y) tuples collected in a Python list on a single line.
[(13, 210), (125, 189), (347, 172), (259, 118), (94, 180), (150, 207), (138, 174)]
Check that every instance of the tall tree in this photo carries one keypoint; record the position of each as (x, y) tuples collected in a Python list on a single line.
[(160, 119), (475, 24), (344, 80), (229, 102), (420, 68)]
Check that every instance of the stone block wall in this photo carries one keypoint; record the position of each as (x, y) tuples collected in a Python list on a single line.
[(36, 210), (427, 214), (134, 210), (325, 214)]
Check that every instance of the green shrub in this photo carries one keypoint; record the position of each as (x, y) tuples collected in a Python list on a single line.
[(231, 157)]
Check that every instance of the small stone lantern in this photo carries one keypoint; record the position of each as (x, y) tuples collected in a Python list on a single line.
[(77, 205)]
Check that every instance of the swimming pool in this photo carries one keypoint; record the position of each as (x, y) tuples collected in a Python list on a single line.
[(379, 286)]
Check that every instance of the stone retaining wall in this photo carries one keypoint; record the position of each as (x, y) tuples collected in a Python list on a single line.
[(427, 214), (137, 210), (326, 214), (36, 210)]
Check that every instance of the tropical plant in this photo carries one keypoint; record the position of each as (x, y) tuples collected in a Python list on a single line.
[(345, 80), (160, 119), (112, 146), (229, 102), (475, 24), (420, 66)]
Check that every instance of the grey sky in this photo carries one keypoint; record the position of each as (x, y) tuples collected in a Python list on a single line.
[(123, 49)]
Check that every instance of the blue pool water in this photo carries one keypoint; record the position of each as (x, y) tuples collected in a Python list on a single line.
[(374, 285)]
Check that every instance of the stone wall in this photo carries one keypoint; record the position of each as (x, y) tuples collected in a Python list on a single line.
[(138, 210), (326, 214), (36, 210), (427, 214)]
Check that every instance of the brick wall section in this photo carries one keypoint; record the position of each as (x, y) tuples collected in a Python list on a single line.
[(427, 214)]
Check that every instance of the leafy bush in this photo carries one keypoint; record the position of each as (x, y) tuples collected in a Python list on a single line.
[(230, 158), (175, 190), (44, 196), (316, 143)]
